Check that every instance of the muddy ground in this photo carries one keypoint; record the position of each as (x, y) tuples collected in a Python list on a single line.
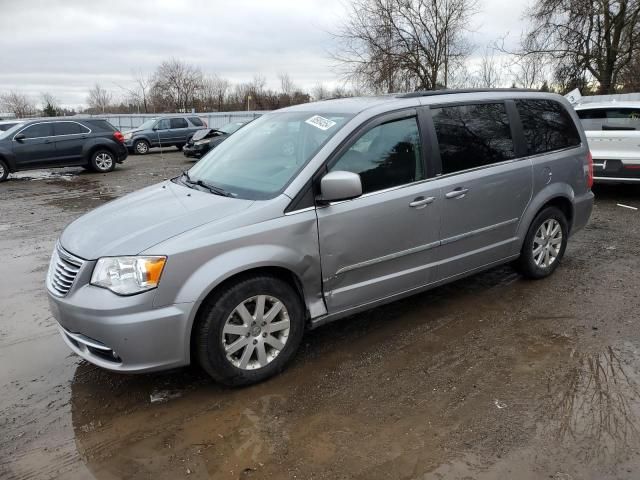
[(490, 377)]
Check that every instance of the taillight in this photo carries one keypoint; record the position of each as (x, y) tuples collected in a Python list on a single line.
[(118, 136), (589, 170)]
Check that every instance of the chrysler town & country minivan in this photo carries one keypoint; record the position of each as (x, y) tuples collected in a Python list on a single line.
[(315, 212)]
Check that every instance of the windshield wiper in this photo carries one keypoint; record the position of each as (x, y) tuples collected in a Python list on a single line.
[(214, 189)]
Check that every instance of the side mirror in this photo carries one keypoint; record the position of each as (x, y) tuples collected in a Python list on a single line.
[(19, 137), (340, 185)]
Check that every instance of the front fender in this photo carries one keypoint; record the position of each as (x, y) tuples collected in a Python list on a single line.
[(549, 192)]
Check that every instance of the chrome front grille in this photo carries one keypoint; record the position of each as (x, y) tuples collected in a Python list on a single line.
[(63, 270)]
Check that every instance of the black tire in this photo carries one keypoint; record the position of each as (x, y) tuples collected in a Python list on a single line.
[(141, 147), (213, 316), (527, 264), (4, 171), (102, 161), (179, 147)]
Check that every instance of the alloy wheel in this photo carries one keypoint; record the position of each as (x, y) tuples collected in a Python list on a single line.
[(547, 243), (256, 332), (104, 161), (142, 148)]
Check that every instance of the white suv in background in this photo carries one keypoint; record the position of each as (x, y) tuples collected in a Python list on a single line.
[(613, 133)]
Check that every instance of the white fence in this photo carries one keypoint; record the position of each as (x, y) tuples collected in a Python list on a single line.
[(213, 119)]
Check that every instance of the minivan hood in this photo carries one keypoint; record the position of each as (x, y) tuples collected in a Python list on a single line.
[(137, 221)]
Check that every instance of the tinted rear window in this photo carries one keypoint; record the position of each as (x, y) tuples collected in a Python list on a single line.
[(473, 135), (547, 126), (68, 128), (196, 121), (179, 123)]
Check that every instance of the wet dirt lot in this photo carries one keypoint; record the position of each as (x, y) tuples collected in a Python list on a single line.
[(490, 377)]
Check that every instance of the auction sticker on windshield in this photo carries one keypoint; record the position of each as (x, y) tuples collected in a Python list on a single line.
[(320, 122)]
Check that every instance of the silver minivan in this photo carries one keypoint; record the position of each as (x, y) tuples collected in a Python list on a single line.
[(315, 212)]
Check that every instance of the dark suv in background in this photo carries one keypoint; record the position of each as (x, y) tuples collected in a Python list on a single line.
[(165, 131), (61, 142)]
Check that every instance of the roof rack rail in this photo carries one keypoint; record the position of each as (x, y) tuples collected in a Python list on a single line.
[(430, 93)]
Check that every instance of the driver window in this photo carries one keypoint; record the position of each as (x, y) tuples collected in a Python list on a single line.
[(386, 156)]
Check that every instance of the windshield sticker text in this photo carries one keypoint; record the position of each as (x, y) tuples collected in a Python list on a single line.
[(320, 122)]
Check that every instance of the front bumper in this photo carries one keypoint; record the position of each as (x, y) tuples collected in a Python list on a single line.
[(124, 334), (194, 151)]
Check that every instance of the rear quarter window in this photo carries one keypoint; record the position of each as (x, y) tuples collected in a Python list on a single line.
[(196, 121), (99, 125), (547, 126)]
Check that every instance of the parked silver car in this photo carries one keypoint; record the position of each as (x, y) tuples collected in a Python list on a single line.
[(313, 213)]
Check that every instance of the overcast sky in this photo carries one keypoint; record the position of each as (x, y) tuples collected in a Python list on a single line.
[(65, 46)]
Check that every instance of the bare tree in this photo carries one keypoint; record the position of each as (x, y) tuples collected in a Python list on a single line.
[(286, 84), (586, 38), (320, 92), (213, 92), (178, 83), (393, 45), (17, 103), (99, 99), (50, 105), (489, 72)]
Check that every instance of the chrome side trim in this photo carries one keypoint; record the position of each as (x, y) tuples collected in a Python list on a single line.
[(306, 209), (391, 256), (462, 236)]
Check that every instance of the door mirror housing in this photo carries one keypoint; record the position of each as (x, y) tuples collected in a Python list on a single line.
[(19, 137), (340, 185)]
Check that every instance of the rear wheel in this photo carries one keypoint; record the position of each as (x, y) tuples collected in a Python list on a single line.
[(4, 171), (180, 147), (102, 161), (544, 244), (141, 147), (250, 331)]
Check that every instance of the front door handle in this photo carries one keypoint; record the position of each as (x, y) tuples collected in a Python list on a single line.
[(457, 193), (420, 202)]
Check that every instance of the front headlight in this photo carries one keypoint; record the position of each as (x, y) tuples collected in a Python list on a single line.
[(128, 275), (127, 136)]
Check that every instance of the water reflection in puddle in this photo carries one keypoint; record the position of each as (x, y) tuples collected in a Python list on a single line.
[(596, 401)]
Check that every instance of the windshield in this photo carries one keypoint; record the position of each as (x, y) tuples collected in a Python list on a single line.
[(229, 128), (259, 160), (6, 126), (11, 130), (147, 125)]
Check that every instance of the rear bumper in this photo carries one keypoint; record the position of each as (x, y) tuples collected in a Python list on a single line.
[(121, 153), (582, 207), (616, 171)]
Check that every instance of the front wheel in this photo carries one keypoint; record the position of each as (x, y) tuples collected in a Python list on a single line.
[(544, 244), (250, 331), (102, 161), (141, 147)]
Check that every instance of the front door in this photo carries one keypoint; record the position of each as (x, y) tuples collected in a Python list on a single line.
[(37, 148), (485, 187), (383, 242), (163, 132)]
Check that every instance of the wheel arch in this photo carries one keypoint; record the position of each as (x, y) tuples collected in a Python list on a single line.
[(276, 271), (93, 147), (8, 159), (557, 195)]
